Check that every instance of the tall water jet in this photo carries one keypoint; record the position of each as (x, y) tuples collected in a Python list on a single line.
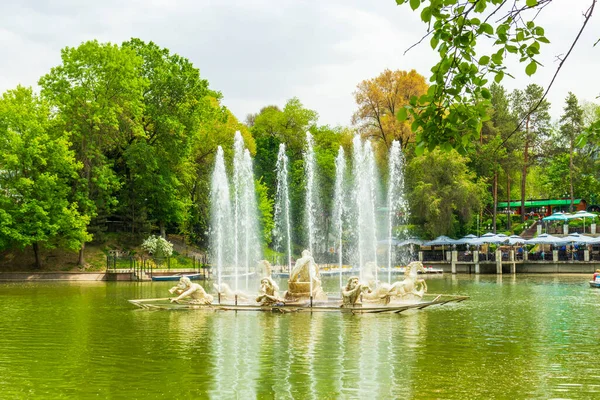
[(311, 194), (398, 210), (220, 215), (252, 246), (396, 202), (282, 231), (364, 173), (238, 158), (245, 218), (338, 205)]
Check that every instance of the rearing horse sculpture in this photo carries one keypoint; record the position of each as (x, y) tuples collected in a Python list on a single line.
[(412, 284)]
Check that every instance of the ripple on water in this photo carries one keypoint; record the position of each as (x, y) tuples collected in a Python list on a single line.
[(529, 336)]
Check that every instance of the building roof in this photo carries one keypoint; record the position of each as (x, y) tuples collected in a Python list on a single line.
[(540, 203)]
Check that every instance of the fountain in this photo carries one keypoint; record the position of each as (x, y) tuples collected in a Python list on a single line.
[(234, 238), (396, 201), (311, 195), (282, 231), (235, 246), (338, 205), (363, 201), (220, 215)]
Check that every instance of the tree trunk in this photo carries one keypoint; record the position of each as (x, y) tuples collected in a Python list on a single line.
[(81, 261), (524, 173), (36, 251), (495, 196), (163, 232), (571, 167), (508, 218)]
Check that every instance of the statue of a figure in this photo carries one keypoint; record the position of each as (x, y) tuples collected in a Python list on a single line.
[(185, 288), (352, 291), (267, 295), (299, 284), (305, 268), (226, 293)]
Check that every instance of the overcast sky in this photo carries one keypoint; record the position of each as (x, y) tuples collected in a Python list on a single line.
[(260, 52)]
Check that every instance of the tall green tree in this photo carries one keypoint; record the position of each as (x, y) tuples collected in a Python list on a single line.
[(494, 150), (571, 126), (535, 130), (176, 103), (218, 131), (36, 172), (443, 193), (272, 126), (98, 94)]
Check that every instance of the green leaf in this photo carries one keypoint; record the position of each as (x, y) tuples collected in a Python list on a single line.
[(497, 58), (402, 115), (485, 93), (484, 60), (426, 14), (531, 3), (414, 4), (419, 149), (499, 76), (531, 68), (487, 28), (434, 42)]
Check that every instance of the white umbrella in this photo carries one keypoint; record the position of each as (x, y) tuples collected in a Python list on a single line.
[(583, 239), (410, 241), (467, 239), (441, 241), (491, 238), (544, 238), (584, 214), (516, 239)]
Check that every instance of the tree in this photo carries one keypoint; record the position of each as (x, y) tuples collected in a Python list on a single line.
[(443, 193), (219, 131), (176, 103), (36, 173), (380, 98), (494, 150), (98, 93), (536, 128), (452, 112), (571, 126), (272, 126)]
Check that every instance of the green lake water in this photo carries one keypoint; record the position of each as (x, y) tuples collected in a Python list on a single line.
[(529, 336)]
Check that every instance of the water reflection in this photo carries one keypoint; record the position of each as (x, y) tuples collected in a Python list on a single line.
[(524, 336)]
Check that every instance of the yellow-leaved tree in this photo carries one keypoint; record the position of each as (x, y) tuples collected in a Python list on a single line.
[(380, 98)]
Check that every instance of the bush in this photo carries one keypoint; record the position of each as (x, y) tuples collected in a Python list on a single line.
[(158, 246)]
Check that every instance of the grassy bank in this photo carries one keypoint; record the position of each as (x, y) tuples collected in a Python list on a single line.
[(95, 255)]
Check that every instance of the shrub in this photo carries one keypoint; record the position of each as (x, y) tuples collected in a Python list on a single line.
[(158, 246)]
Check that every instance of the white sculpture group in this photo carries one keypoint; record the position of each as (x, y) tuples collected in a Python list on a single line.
[(410, 288), (305, 283)]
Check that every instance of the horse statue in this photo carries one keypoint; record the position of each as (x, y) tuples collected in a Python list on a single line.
[(264, 268), (412, 286)]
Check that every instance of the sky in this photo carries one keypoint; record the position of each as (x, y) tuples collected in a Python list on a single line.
[(263, 52)]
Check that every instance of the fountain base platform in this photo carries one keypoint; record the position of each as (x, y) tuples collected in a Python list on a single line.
[(332, 305)]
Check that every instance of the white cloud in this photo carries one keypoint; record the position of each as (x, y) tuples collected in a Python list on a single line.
[(261, 52)]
